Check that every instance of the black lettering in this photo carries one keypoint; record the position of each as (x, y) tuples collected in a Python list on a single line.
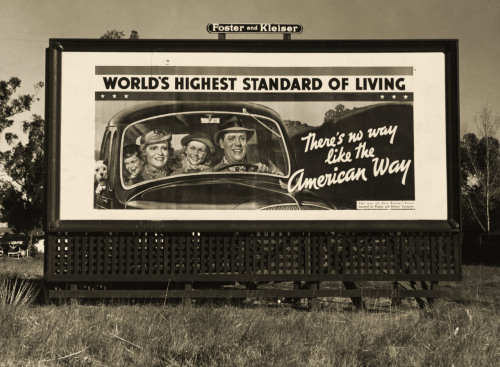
[(274, 84), (179, 83), (295, 84), (246, 84), (400, 84), (316, 84), (109, 82), (164, 83), (153, 83), (123, 83), (285, 84), (334, 83)]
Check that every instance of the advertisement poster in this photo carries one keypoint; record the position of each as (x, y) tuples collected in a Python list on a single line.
[(249, 136)]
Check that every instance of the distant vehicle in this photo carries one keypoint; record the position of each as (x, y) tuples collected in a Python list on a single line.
[(213, 189), (14, 246)]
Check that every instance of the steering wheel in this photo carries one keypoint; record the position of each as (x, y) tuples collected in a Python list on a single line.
[(251, 167)]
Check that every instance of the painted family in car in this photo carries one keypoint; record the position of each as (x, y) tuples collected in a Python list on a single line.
[(199, 155)]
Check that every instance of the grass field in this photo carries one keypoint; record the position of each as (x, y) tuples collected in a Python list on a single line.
[(461, 332)]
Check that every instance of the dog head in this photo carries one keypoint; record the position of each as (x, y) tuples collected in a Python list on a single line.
[(100, 172)]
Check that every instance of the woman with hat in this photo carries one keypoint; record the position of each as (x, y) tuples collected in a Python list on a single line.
[(155, 149), (196, 157)]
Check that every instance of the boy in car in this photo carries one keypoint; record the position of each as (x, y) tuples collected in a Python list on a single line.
[(134, 165)]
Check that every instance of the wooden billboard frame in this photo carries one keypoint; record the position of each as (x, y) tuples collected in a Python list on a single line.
[(53, 127), (159, 256)]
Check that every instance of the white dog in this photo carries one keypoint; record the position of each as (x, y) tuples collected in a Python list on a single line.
[(100, 175)]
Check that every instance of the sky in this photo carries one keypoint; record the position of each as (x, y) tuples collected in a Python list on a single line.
[(27, 25)]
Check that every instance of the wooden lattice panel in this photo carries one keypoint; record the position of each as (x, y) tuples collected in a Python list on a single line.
[(252, 256)]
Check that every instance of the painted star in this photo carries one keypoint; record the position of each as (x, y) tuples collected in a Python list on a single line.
[(393, 96), (114, 96), (405, 96), (382, 96), (102, 96), (126, 96)]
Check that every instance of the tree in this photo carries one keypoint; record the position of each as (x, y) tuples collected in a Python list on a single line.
[(11, 106), (330, 115), (116, 35), (21, 193), (480, 169)]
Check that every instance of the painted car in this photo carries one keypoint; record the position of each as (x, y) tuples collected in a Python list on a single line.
[(215, 188)]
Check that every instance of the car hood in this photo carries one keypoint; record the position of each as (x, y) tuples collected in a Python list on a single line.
[(248, 192)]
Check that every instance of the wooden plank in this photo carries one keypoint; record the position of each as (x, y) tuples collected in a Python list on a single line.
[(160, 255), (75, 269), (322, 254), (449, 254), (308, 261), (85, 255), (249, 241), (295, 254), (187, 254), (287, 254), (343, 268), (129, 263), (115, 253), (235, 254), (106, 254), (226, 263), (383, 254), (250, 277), (427, 250), (458, 261), (397, 254), (417, 251), (203, 254), (334, 250), (442, 258), (400, 252), (403, 246), (434, 252), (148, 248), (98, 254), (271, 265), (242, 293)]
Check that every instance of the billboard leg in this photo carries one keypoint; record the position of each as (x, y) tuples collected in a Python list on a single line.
[(73, 301), (188, 287), (313, 302), (357, 301), (396, 297)]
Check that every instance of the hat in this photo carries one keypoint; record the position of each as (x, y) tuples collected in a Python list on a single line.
[(201, 137), (233, 124), (155, 137)]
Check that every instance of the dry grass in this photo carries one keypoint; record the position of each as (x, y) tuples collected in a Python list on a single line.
[(452, 333)]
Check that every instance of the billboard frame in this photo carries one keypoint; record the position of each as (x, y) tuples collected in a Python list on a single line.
[(57, 47)]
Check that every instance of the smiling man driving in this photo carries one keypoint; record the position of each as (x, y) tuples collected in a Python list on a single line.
[(233, 138)]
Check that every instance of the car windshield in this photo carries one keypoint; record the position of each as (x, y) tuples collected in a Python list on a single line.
[(201, 143)]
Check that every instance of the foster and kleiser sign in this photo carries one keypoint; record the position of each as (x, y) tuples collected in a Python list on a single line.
[(254, 28)]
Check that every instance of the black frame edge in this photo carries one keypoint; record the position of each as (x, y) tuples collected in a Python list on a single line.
[(52, 113)]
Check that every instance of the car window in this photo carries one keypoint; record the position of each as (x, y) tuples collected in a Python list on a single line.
[(192, 143), (106, 142)]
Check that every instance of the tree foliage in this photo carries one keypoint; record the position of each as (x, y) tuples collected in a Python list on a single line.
[(11, 105), (332, 114), (480, 170), (21, 187), (116, 35)]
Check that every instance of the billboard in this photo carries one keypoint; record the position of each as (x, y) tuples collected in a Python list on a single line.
[(238, 135)]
